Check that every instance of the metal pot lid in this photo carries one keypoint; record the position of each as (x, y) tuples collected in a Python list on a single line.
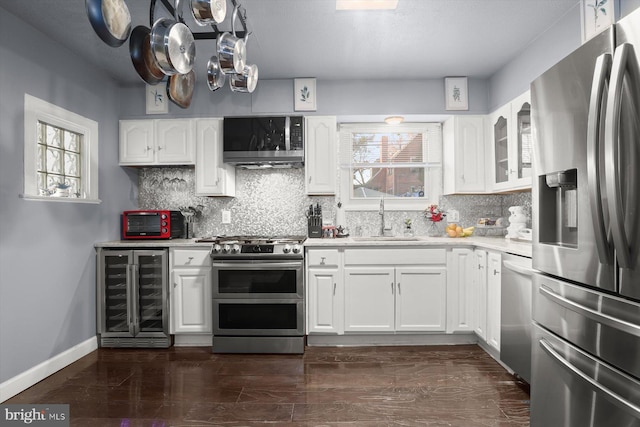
[(181, 48), (218, 10), (110, 20), (239, 56), (215, 76), (252, 77)]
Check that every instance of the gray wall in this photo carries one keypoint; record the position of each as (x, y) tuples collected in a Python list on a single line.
[(47, 267)]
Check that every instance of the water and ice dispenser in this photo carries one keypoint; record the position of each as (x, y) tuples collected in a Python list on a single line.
[(558, 213)]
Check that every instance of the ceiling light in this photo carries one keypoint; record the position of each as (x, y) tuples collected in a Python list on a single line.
[(366, 4), (394, 120)]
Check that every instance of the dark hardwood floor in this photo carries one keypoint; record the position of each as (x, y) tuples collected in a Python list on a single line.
[(359, 386)]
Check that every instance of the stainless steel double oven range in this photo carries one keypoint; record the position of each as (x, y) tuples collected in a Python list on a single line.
[(258, 294)]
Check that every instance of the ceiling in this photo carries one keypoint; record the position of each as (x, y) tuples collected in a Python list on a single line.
[(421, 39)]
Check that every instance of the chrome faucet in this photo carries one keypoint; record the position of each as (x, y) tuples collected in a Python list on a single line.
[(381, 212)]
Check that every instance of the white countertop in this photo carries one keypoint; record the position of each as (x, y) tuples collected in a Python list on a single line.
[(492, 243), (501, 244)]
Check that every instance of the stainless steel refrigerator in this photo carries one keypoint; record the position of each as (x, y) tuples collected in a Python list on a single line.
[(586, 244)]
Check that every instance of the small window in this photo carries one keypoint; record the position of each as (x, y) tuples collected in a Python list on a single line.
[(61, 154), (401, 163)]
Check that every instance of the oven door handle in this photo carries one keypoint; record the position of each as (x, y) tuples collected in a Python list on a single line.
[(248, 265)]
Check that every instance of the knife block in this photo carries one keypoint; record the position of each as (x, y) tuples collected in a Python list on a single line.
[(315, 227)]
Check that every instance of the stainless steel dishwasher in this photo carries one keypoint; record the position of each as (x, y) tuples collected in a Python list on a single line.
[(515, 321)]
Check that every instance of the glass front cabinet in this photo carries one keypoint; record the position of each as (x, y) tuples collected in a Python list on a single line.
[(132, 298), (512, 145)]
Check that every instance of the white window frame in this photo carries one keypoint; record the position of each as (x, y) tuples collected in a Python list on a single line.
[(36, 110), (432, 159)]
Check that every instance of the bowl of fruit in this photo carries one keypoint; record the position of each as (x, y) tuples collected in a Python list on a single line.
[(454, 230)]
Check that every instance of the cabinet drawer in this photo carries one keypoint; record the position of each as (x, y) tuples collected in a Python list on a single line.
[(323, 257), (191, 258), (414, 256)]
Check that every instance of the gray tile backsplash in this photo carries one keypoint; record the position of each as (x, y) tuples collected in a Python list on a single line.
[(273, 202)]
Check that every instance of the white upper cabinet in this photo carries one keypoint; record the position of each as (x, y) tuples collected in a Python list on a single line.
[(464, 155), (213, 177), (320, 155), (157, 142), (512, 147)]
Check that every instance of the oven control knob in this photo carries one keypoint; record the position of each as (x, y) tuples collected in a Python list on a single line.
[(235, 249), (296, 249), (226, 249), (163, 216), (217, 248), (286, 249)]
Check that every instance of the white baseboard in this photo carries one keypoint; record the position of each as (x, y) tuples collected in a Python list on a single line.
[(26, 379), (314, 340)]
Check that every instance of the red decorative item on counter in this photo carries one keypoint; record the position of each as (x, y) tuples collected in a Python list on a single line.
[(432, 213)]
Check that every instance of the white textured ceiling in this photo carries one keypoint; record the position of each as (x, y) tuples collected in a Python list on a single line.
[(309, 38)]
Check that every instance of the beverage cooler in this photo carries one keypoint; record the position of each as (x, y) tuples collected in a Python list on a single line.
[(132, 295)]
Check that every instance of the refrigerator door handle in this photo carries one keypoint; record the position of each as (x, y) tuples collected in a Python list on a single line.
[(609, 394), (590, 313), (130, 308), (599, 87), (623, 60)]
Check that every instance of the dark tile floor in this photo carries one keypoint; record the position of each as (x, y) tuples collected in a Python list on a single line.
[(365, 386)]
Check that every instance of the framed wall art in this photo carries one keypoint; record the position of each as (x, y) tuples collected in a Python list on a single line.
[(304, 93), (456, 93), (596, 16), (156, 98)]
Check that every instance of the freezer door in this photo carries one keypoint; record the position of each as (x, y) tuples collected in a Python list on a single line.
[(572, 388), (622, 153), (605, 326), (566, 205)]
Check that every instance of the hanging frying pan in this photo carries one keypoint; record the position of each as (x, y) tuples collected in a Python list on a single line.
[(173, 44), (180, 88), (141, 56), (209, 12), (110, 20), (215, 76)]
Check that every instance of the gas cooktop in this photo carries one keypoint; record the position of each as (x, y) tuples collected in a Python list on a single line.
[(251, 246), (255, 240)]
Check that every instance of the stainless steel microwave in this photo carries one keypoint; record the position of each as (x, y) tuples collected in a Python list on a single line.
[(264, 141)]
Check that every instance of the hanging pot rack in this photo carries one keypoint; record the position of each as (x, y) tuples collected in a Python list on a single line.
[(201, 35)]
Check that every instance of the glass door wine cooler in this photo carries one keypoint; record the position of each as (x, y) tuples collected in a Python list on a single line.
[(132, 298)]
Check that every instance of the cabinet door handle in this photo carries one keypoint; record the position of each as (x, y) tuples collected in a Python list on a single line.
[(334, 288), (322, 260), (149, 148), (495, 272), (159, 148), (309, 180), (392, 288), (399, 292)]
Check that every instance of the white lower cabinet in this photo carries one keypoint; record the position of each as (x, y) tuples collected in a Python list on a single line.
[(487, 267), (395, 290), (494, 274), (369, 299), (190, 293), (480, 290), (324, 305), (461, 301), (324, 291)]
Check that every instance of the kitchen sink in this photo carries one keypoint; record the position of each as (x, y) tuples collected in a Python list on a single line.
[(385, 239)]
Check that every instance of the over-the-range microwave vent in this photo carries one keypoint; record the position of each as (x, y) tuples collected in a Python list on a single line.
[(264, 142)]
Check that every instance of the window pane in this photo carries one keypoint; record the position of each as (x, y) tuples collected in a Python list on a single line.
[(71, 141), (42, 156), (42, 183), (54, 161), (53, 136), (71, 164), (391, 148), (41, 132), (74, 185), (399, 182)]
